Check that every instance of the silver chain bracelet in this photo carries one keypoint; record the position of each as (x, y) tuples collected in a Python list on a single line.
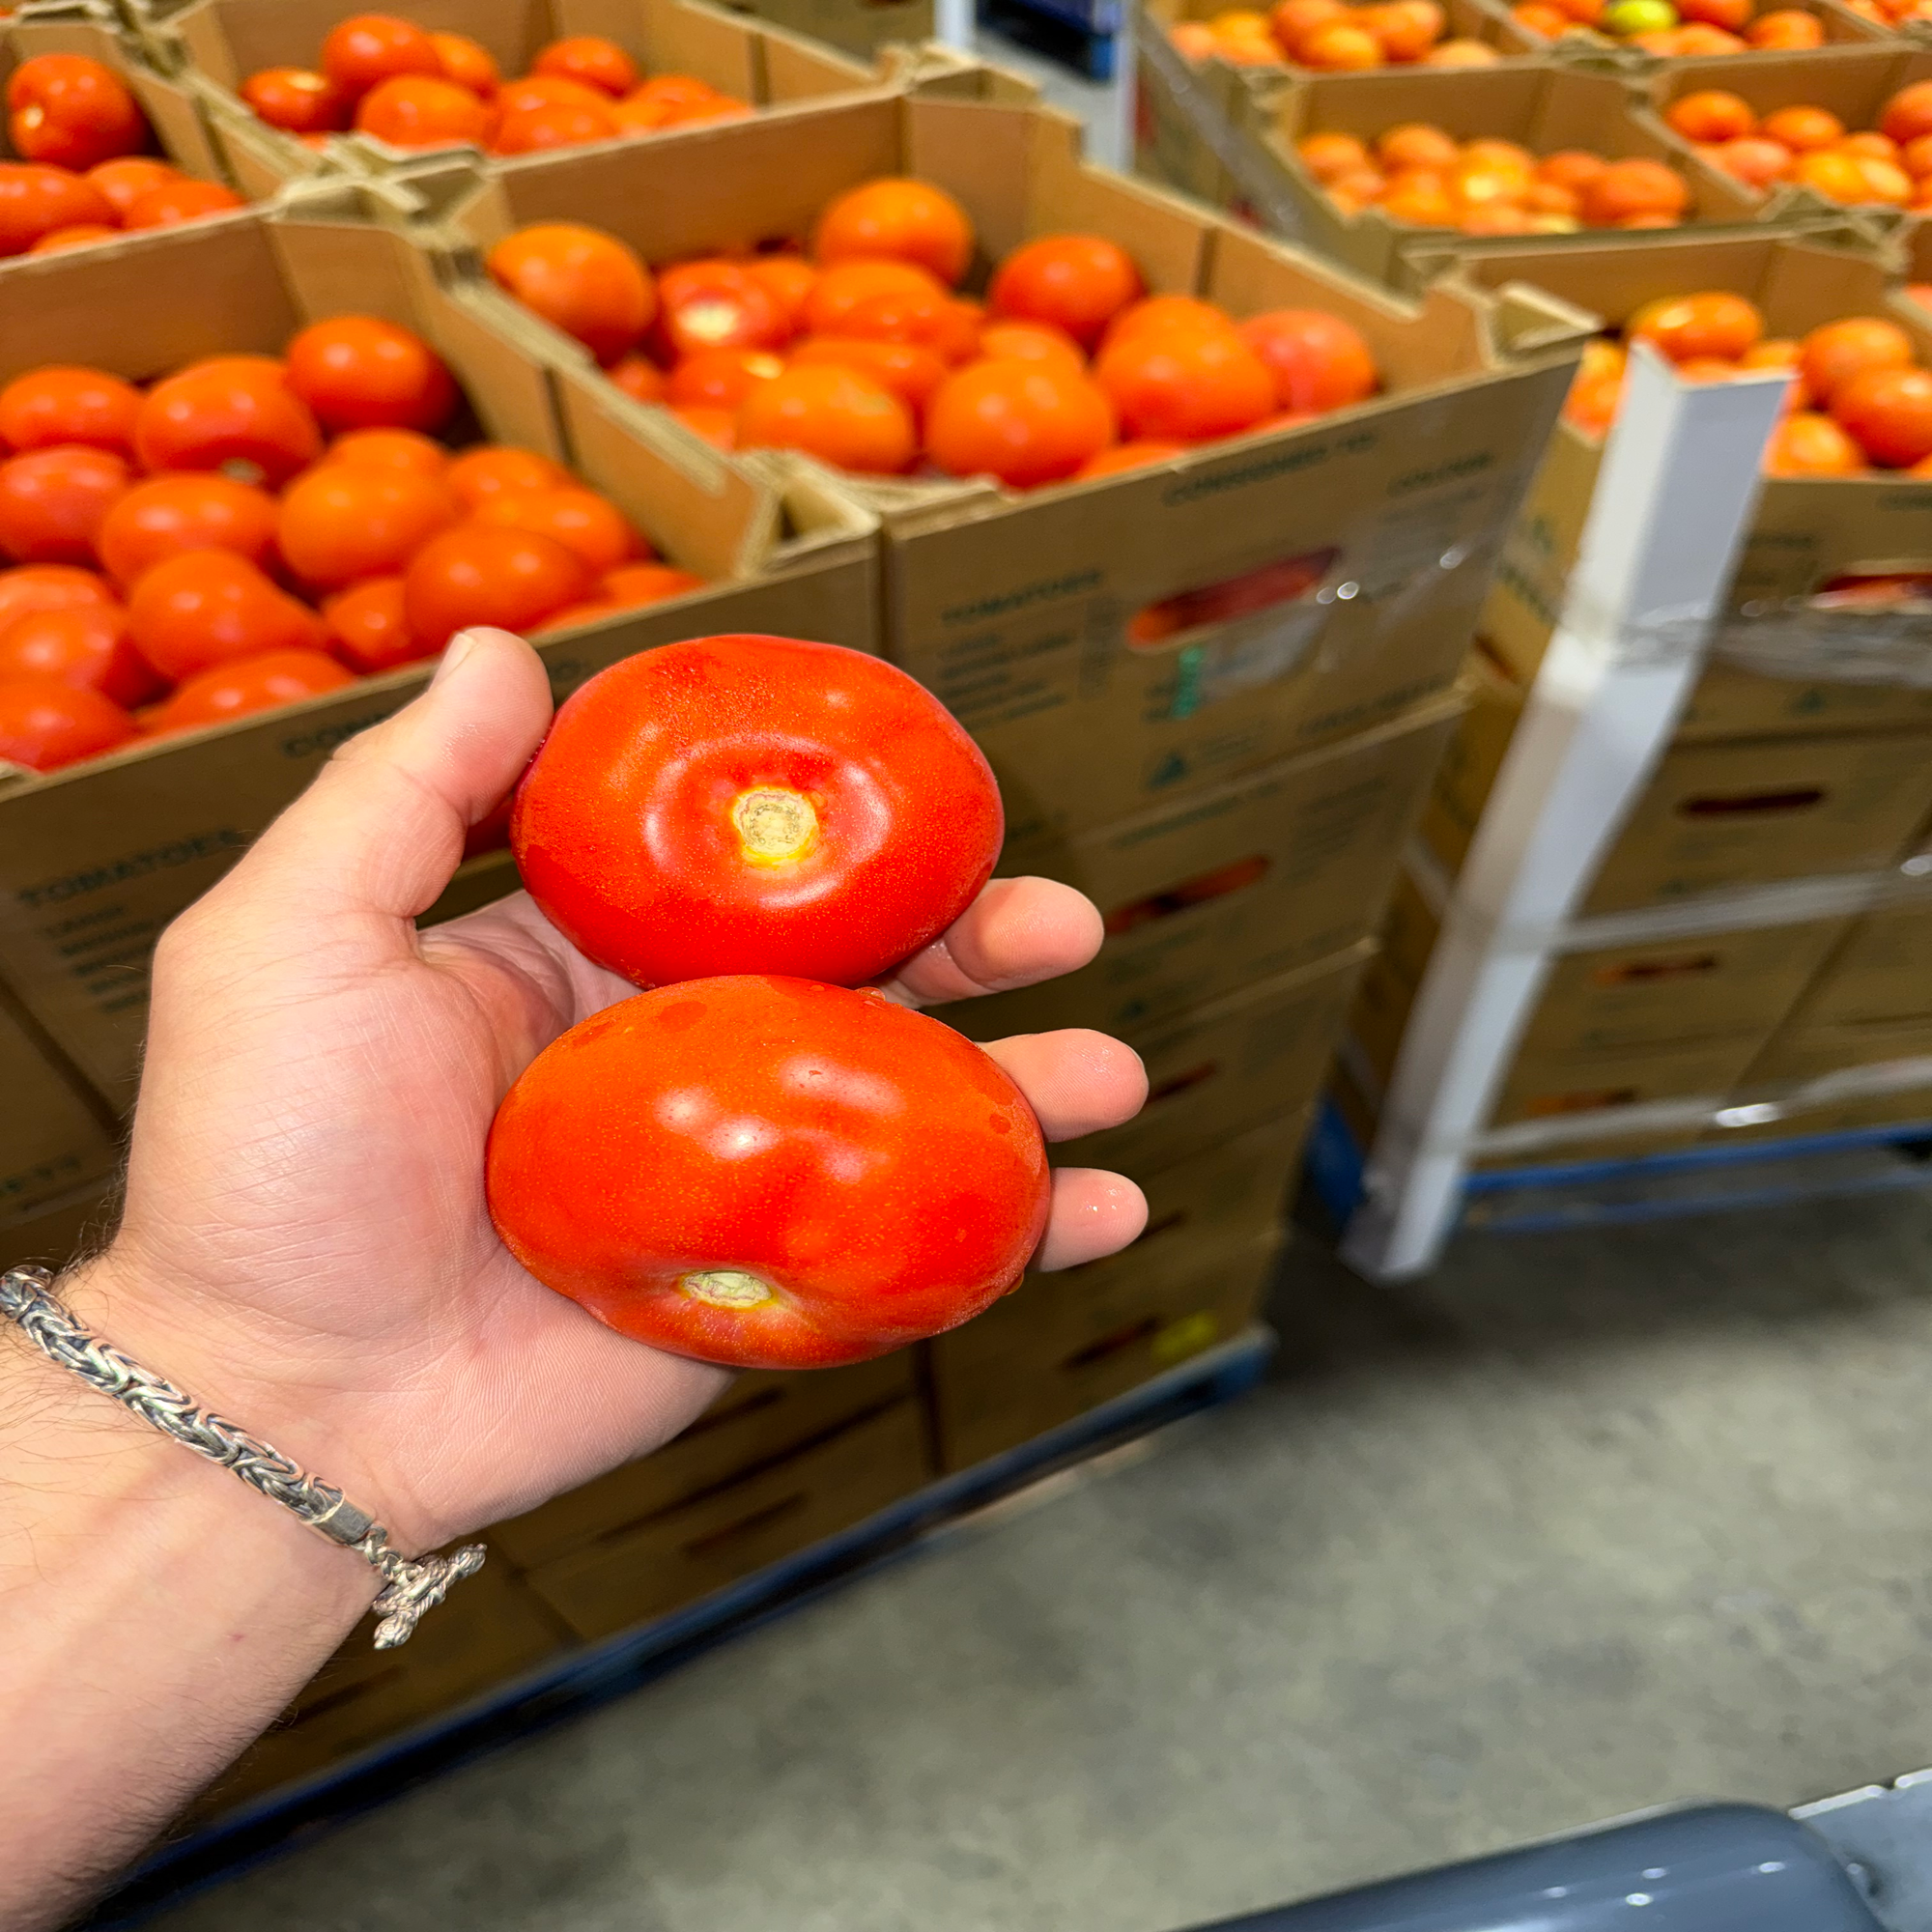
[(412, 1584)]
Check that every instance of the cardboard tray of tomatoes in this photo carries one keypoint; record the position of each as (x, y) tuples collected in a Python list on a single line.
[(96, 857)]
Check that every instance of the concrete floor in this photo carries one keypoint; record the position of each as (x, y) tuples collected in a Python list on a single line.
[(1584, 1522)]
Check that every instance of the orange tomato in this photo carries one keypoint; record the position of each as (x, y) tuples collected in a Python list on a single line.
[(641, 379), (1330, 156), (478, 574), (171, 203), (1712, 113), (833, 413), (366, 49), (635, 583), (897, 220), (1185, 386), (35, 199), (87, 646), (367, 627), (1573, 168), (362, 372), (1031, 342), (1317, 360), (48, 587), (1635, 186), (1830, 355), (787, 281), (1806, 444), (488, 469), (1141, 454), (209, 606), (1754, 160), (716, 305), (1698, 39), (53, 502), (1597, 390), (1421, 196), (1802, 128), (1415, 144), (1077, 282), (422, 110), (71, 111), (124, 181), (1462, 53), (298, 100), (243, 686), (1732, 15), (341, 521), (1192, 40), (910, 370), (721, 377), (46, 722), (64, 403), (389, 449), (161, 516), (591, 59), (590, 527), (231, 413), (1907, 117), (589, 284), (1155, 315), (843, 286), (1789, 30), (1407, 29), (466, 61), (1888, 413), (1026, 423), (76, 237), (535, 131), (717, 427), (1291, 19), (948, 326), (1834, 176), (547, 89), (1696, 327), (1339, 46), (1539, 16)]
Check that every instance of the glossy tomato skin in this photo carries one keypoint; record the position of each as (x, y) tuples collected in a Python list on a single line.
[(754, 804), (858, 1175)]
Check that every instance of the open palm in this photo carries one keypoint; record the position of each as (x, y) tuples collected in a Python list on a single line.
[(305, 1244)]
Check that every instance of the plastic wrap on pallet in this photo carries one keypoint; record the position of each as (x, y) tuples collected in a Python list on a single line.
[(1824, 640)]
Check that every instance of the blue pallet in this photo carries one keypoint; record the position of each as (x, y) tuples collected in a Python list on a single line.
[(582, 1680)]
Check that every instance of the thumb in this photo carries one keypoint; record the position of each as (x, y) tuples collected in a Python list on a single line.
[(381, 828)]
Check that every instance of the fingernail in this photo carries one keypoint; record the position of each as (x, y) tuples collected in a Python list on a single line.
[(454, 652)]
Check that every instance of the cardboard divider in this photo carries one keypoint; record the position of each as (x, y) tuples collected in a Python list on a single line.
[(1251, 597), (95, 858), (1546, 105), (1804, 532), (221, 43)]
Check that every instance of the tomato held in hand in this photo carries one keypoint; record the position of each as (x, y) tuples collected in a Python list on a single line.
[(769, 1173), (754, 804)]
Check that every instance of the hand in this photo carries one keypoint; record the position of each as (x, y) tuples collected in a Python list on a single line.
[(305, 1246)]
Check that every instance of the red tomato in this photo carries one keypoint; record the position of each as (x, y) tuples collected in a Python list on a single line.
[(87, 646), (46, 722), (769, 1173), (52, 502), (754, 804), (228, 690)]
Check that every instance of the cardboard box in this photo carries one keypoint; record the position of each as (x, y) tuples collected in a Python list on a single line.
[(1116, 642), (173, 108), (226, 41), (491, 1629), (97, 858), (1716, 814), (1256, 878), (1807, 1049), (1228, 1065), (859, 26), (60, 1233), (1804, 532), (762, 1418), (985, 1407), (1545, 105), (56, 1137), (700, 1544), (1186, 112), (1214, 1204), (1882, 974)]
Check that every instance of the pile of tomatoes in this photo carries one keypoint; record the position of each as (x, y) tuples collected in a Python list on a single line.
[(1676, 29), (1332, 36), (251, 530), (1418, 174), (83, 176), (389, 78), (1893, 12), (1859, 400), (868, 356), (1890, 165)]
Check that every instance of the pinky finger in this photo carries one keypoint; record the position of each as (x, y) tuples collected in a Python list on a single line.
[(1094, 1213)]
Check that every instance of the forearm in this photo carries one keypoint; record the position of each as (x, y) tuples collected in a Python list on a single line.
[(155, 1616)]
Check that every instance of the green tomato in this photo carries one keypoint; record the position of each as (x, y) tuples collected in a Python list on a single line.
[(1629, 17)]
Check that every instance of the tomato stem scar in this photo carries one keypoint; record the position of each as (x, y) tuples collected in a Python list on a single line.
[(727, 1287), (775, 824)]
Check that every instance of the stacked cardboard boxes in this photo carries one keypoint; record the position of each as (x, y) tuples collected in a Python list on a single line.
[(1794, 789)]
